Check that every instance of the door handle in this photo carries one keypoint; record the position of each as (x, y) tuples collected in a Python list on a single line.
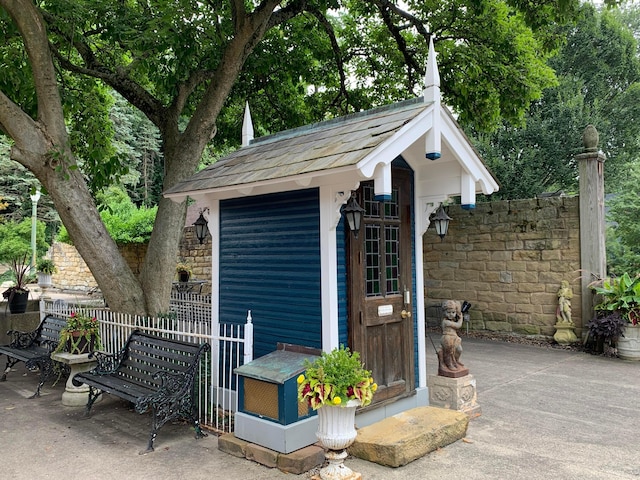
[(405, 314)]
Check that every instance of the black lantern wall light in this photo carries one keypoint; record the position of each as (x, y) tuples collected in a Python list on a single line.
[(353, 214), (202, 227), (441, 222)]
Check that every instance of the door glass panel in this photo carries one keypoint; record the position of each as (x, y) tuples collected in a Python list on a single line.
[(371, 206), (372, 260), (392, 257), (381, 244)]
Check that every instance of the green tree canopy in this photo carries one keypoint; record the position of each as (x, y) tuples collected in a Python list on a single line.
[(598, 83), (190, 66)]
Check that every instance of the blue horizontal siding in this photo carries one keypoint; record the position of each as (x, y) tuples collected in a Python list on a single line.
[(270, 264)]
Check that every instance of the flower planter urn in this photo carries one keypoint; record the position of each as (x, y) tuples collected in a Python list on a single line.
[(629, 344), (44, 280), (78, 343), (336, 431)]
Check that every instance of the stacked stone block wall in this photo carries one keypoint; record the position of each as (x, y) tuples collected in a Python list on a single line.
[(74, 275), (508, 259)]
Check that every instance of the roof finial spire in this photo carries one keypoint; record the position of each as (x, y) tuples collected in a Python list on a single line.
[(247, 126), (432, 77)]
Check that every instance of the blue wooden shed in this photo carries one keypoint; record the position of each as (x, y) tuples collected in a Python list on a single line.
[(281, 247)]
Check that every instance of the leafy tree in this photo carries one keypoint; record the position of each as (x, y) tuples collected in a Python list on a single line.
[(178, 61), (125, 222), (598, 83), (623, 231)]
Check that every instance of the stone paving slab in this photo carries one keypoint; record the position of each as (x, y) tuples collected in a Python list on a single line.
[(407, 436)]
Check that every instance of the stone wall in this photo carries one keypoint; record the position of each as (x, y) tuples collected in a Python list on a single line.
[(74, 275), (507, 258), (198, 256)]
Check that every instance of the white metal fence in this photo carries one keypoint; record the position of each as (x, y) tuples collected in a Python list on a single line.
[(189, 320)]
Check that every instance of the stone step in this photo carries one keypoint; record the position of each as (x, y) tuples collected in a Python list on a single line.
[(407, 436)]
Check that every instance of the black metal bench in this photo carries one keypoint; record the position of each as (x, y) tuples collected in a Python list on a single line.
[(153, 373), (34, 348)]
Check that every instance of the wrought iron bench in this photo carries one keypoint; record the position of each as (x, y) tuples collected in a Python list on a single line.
[(34, 348), (152, 373)]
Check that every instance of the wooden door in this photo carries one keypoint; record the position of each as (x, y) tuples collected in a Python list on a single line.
[(380, 279)]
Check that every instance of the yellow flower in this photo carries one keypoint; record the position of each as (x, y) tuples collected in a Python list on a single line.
[(337, 400), (300, 379), (374, 387)]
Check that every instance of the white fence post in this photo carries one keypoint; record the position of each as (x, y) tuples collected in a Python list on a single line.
[(248, 339)]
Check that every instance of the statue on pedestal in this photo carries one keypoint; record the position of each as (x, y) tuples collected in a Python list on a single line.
[(565, 328), (449, 364)]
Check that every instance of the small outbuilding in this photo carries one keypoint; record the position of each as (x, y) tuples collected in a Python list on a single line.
[(282, 247)]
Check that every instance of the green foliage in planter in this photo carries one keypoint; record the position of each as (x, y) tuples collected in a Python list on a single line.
[(335, 378), (80, 326), (46, 266), (619, 294), (15, 250)]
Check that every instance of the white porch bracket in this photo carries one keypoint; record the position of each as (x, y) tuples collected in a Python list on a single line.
[(427, 205)]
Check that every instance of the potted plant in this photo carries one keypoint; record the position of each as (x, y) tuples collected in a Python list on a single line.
[(617, 315), (18, 294), (45, 268), (15, 251), (81, 334), (183, 269), (335, 385)]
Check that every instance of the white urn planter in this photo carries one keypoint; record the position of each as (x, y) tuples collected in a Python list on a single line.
[(336, 431), (44, 279), (629, 344)]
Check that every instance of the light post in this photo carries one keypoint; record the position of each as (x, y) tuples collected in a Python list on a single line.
[(34, 216)]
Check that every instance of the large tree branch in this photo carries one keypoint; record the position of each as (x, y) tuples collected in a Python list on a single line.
[(328, 28), (386, 14), (33, 31), (118, 80)]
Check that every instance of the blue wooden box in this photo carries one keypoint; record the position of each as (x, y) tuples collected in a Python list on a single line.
[(268, 388)]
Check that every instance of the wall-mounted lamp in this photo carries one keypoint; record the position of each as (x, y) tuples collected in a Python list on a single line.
[(441, 222), (202, 227), (353, 213)]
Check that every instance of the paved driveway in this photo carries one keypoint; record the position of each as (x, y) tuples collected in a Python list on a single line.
[(546, 414)]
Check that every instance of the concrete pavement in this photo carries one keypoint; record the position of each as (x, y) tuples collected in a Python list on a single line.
[(546, 414)]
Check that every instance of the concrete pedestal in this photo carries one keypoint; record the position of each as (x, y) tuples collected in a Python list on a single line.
[(454, 393), (75, 395)]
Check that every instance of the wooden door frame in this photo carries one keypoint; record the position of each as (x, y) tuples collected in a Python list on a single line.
[(356, 287)]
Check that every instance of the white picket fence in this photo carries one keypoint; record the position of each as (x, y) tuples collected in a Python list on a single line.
[(231, 346)]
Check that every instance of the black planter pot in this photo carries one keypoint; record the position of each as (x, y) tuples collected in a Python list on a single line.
[(18, 302)]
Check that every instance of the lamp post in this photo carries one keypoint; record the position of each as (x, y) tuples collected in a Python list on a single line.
[(441, 222), (35, 196), (353, 213)]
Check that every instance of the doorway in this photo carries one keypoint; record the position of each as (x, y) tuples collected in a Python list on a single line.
[(380, 280)]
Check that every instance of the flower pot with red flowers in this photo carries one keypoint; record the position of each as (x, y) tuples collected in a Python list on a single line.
[(80, 335)]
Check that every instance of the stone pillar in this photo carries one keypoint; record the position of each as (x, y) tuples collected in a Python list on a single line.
[(593, 258)]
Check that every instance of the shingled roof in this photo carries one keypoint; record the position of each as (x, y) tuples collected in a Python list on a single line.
[(329, 145)]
